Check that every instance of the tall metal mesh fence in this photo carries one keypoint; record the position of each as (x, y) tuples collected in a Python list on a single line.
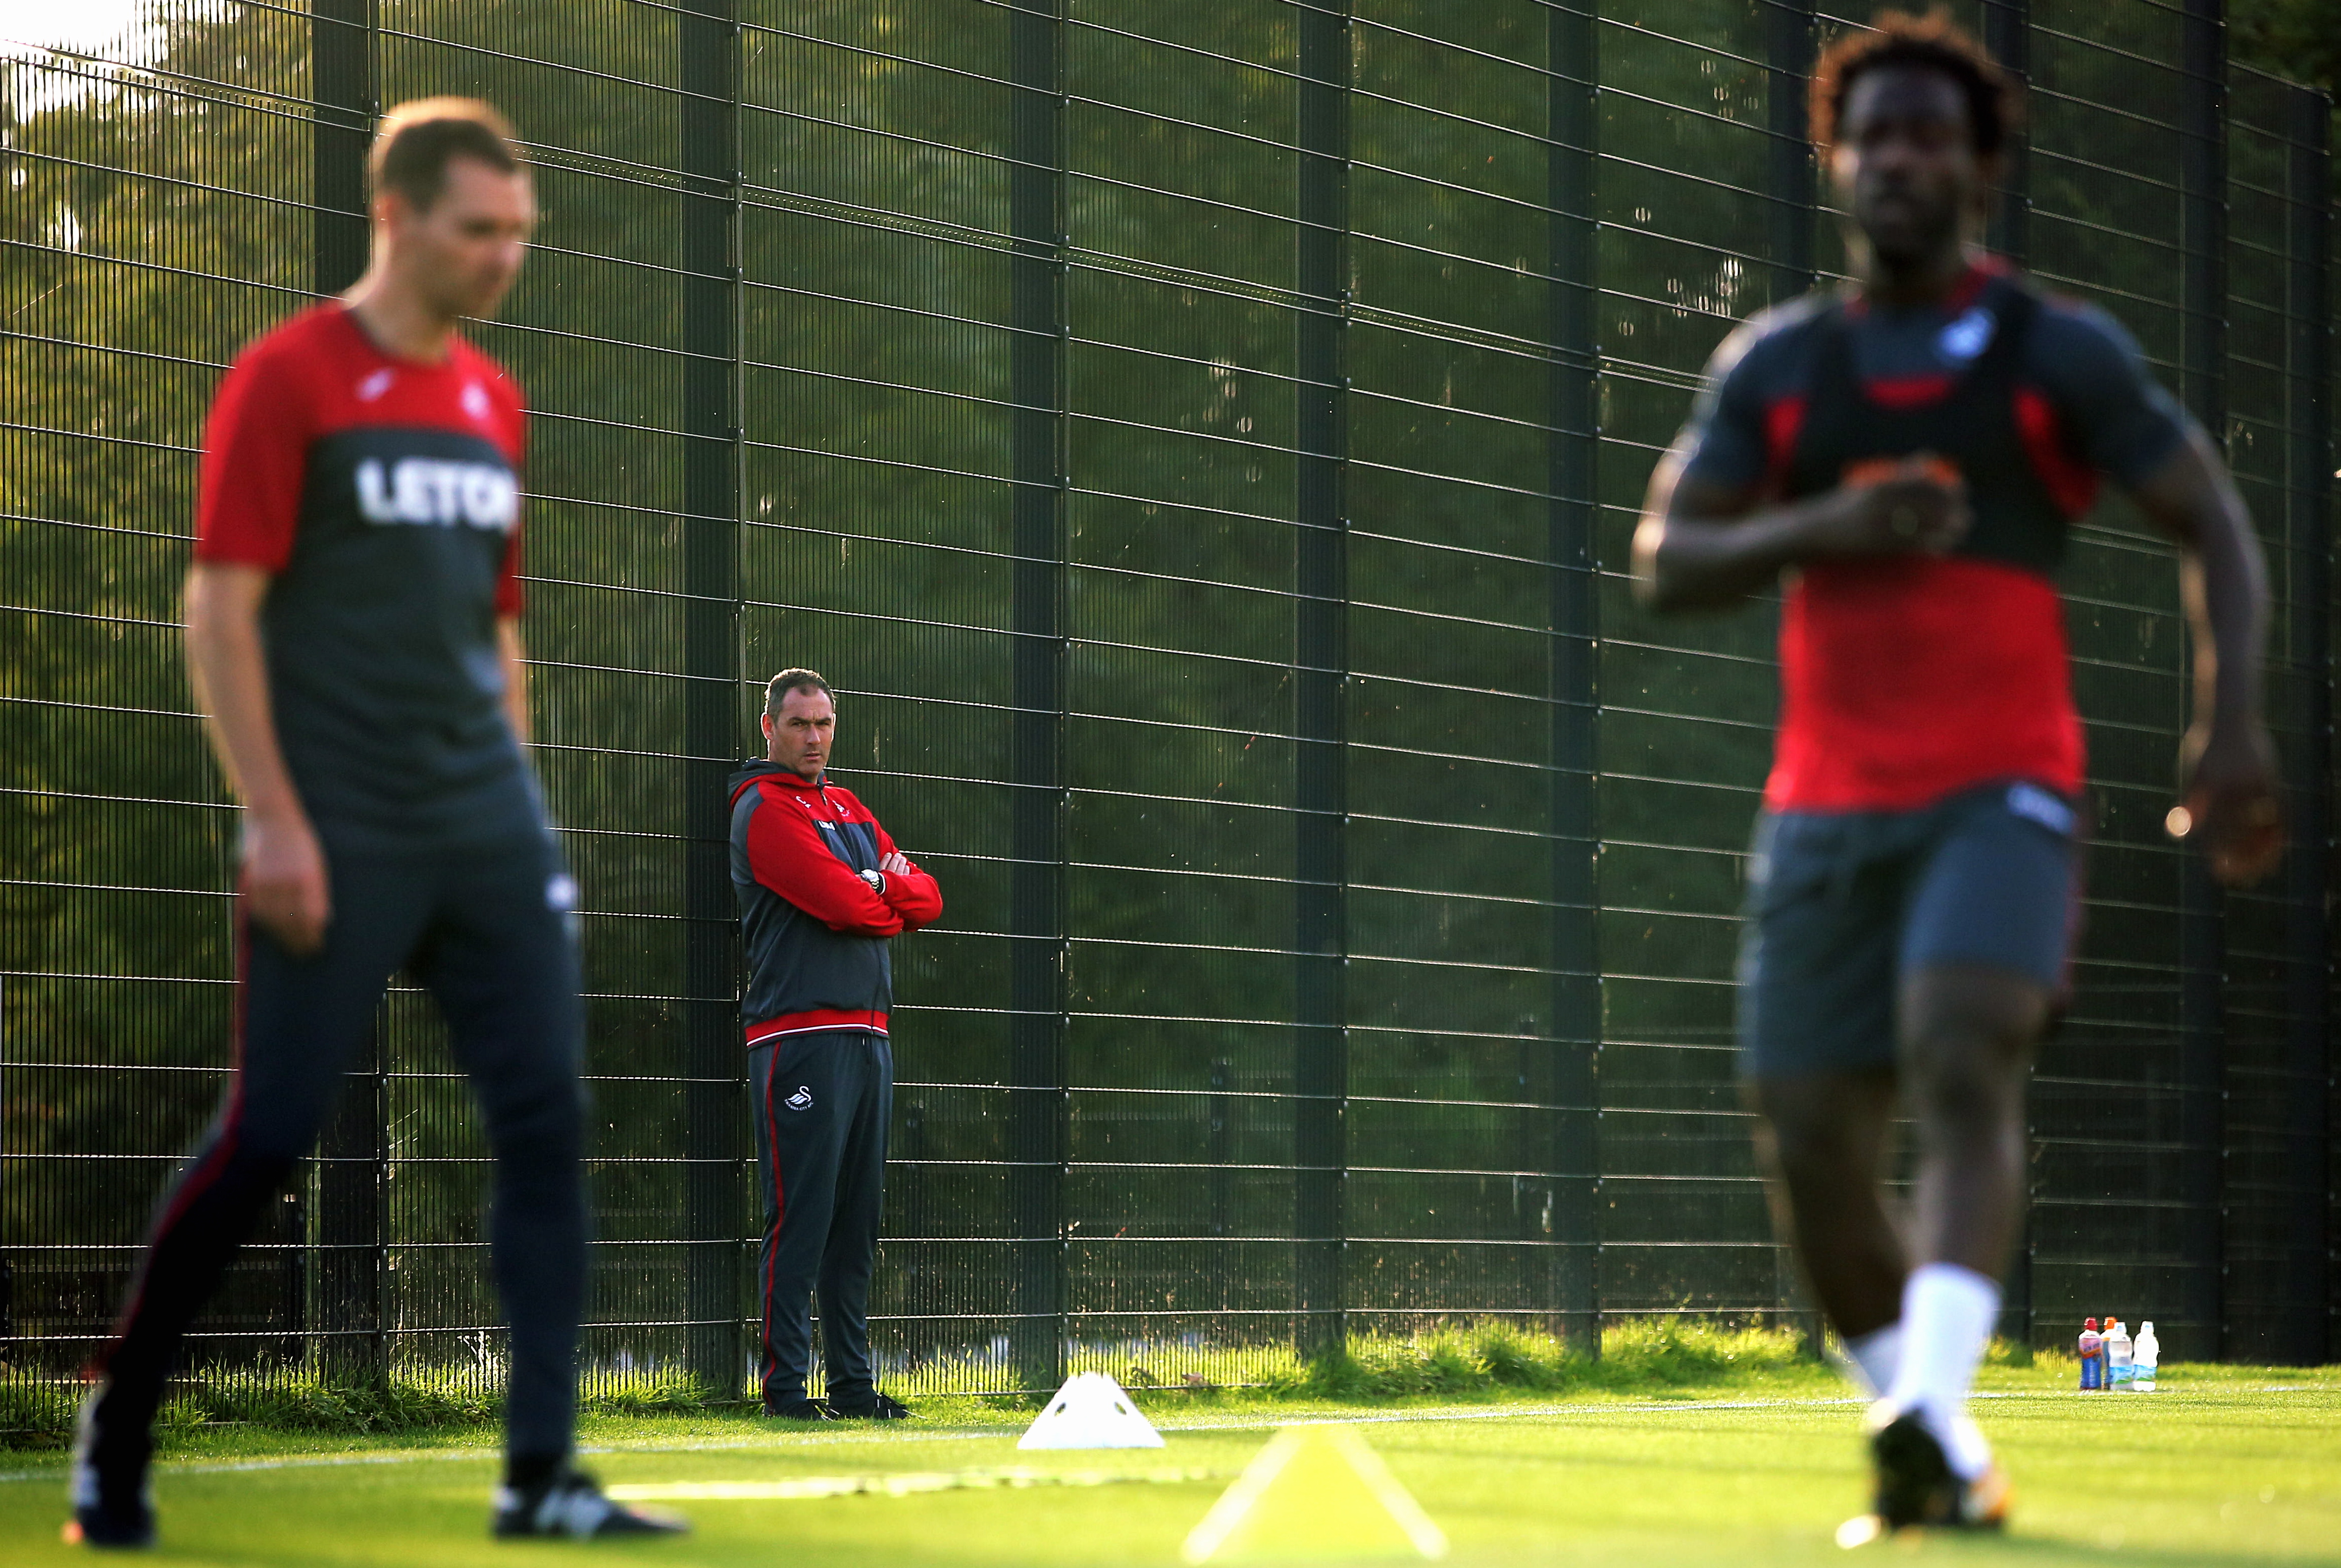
[(1200, 444)]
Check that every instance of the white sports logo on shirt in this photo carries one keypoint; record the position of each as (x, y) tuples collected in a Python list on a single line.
[(430, 490), (1967, 336)]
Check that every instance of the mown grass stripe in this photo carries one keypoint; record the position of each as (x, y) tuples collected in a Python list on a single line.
[(900, 1484)]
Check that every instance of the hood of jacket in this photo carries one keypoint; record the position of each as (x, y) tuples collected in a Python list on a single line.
[(748, 772)]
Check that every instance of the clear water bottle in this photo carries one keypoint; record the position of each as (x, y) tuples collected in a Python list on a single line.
[(2143, 1355), (2120, 1362)]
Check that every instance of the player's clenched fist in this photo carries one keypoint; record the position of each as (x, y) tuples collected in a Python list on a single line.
[(2230, 808), (1888, 506)]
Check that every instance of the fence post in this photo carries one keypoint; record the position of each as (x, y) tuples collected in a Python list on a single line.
[(1791, 42), (708, 41), (2202, 260), (1320, 676), (2008, 37), (1572, 455), (341, 84), (351, 1261), (1041, 1094), (1790, 45), (2305, 1341)]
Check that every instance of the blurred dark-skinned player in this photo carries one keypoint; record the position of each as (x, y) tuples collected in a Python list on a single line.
[(1904, 459)]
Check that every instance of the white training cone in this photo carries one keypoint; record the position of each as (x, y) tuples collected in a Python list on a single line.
[(1091, 1412)]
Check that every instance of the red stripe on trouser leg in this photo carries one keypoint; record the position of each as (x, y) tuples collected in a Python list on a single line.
[(205, 1177), (780, 1204)]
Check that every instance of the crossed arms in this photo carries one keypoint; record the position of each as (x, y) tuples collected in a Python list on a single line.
[(788, 854)]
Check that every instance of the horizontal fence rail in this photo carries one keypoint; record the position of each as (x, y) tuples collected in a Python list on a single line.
[(1200, 444)]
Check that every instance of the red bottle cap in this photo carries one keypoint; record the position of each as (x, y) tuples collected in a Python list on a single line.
[(2090, 1325)]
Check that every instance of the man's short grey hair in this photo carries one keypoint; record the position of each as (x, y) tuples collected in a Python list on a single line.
[(777, 690)]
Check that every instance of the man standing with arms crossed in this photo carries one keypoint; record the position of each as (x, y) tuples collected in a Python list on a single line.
[(821, 890), (1908, 458), (352, 631)]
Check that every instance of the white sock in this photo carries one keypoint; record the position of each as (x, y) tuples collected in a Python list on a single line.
[(1964, 1447), (1872, 1358), (1947, 1315)]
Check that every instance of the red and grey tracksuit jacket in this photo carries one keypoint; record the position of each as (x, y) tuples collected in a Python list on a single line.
[(815, 930)]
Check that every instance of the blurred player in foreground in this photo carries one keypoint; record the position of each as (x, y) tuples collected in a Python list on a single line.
[(352, 631), (823, 893), (1908, 456)]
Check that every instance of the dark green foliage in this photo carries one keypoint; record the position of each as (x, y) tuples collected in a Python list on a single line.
[(1646, 1353), (41, 1415), (2298, 40)]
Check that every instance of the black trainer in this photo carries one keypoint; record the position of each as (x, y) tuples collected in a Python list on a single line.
[(571, 1507), (1918, 1487), (877, 1408), (112, 1508), (1913, 1474), (798, 1410)]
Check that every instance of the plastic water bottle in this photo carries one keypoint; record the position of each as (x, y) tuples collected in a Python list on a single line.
[(2119, 1366), (2092, 1348), (2143, 1356)]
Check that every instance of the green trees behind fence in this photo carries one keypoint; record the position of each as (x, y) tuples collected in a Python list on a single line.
[(1202, 442)]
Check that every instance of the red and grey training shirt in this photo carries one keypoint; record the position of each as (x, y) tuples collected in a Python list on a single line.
[(815, 930), (383, 497), (1906, 679)]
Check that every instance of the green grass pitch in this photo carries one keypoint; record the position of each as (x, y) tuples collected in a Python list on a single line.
[(2223, 1465)]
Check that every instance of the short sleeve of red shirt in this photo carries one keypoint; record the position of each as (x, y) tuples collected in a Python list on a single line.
[(512, 412), (256, 461)]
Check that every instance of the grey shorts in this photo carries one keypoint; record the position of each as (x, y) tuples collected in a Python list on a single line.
[(1842, 904)]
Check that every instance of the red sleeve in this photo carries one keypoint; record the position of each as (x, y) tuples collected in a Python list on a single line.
[(508, 594), (786, 854), (256, 461), (913, 894)]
